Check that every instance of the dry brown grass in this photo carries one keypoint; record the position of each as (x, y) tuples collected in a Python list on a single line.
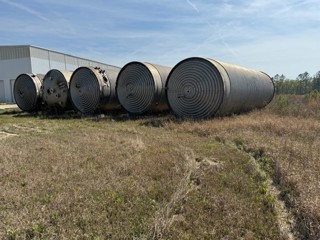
[(128, 179), (287, 147), (160, 178)]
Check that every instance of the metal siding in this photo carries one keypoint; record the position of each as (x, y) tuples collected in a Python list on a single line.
[(83, 62), (11, 68), (14, 52), (93, 64), (70, 67), (2, 92), (56, 57), (71, 63), (58, 65), (39, 53), (110, 68), (39, 65), (71, 60), (57, 61)]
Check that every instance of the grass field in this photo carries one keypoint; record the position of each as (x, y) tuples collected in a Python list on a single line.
[(249, 176)]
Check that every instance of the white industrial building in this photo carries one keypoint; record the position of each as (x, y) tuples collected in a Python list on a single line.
[(15, 60)]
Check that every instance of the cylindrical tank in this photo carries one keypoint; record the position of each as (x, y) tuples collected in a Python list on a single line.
[(203, 88), (27, 91), (55, 89), (141, 87), (92, 88)]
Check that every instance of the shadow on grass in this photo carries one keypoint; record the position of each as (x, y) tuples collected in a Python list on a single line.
[(10, 112), (156, 120), (44, 115)]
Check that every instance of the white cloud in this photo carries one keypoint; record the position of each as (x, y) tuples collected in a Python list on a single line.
[(255, 33), (22, 7), (193, 6)]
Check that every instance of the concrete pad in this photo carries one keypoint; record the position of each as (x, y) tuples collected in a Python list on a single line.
[(8, 106)]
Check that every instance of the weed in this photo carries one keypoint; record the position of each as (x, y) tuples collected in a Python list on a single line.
[(11, 234), (36, 231), (158, 178), (239, 143), (282, 102)]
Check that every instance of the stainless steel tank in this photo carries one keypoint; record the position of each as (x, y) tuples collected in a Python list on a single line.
[(141, 87), (27, 91), (203, 88), (93, 89), (55, 89)]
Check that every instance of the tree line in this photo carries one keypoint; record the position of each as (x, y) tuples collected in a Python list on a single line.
[(303, 84)]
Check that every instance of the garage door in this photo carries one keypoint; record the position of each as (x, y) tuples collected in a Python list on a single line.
[(2, 96)]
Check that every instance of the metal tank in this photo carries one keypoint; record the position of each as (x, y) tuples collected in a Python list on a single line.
[(27, 91), (203, 88), (55, 89), (141, 87), (92, 88)]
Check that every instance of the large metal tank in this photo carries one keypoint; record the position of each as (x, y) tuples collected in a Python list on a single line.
[(27, 91), (55, 89), (203, 88), (141, 87), (93, 89)]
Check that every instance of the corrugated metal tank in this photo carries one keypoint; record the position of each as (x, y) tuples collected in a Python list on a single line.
[(55, 89), (141, 87), (93, 89), (203, 88), (27, 91)]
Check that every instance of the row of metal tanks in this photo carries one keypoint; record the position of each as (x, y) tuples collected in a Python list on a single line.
[(194, 88)]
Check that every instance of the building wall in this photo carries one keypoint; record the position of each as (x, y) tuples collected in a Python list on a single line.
[(11, 86), (11, 69), (71, 63), (2, 92), (15, 60)]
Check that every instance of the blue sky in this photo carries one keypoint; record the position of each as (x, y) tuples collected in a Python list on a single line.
[(273, 36)]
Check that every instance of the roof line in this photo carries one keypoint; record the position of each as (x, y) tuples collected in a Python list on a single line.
[(53, 51)]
